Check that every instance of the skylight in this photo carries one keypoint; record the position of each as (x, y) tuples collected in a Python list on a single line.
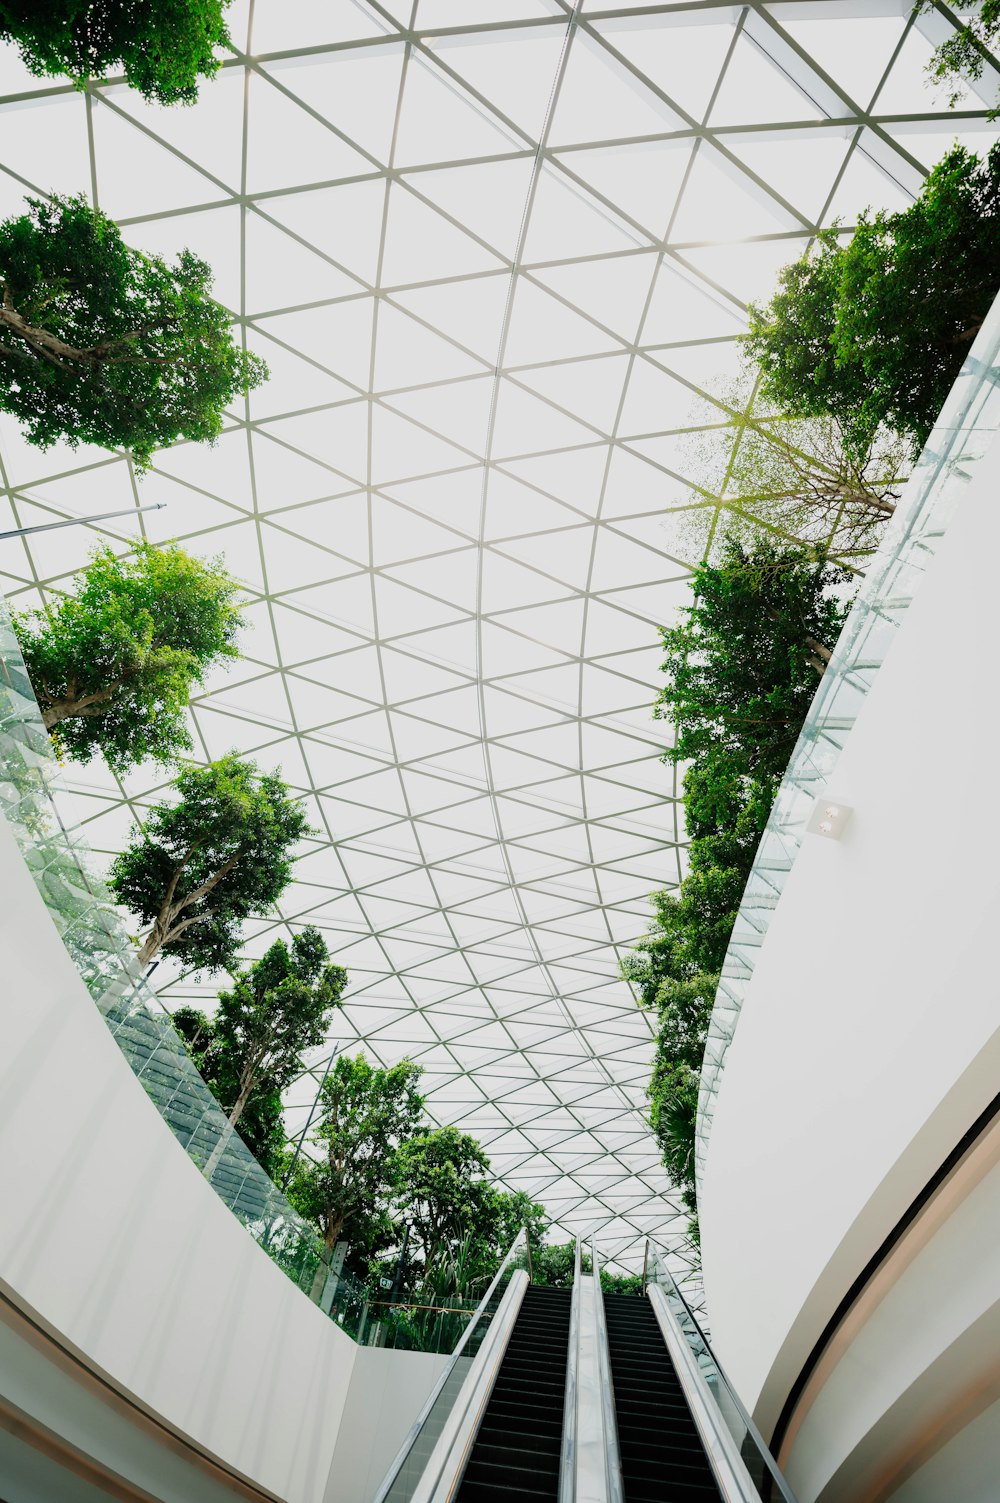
[(497, 256)]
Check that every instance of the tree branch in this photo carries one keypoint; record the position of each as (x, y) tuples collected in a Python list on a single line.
[(210, 882)]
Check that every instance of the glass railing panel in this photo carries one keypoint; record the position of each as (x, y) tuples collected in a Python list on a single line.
[(401, 1482), (966, 429), (770, 1486), (92, 932)]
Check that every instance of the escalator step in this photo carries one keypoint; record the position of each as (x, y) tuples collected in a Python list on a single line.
[(515, 1456), (662, 1455), (511, 1478), (475, 1490), (493, 1433)]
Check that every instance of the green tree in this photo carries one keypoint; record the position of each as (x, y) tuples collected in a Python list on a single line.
[(962, 56), (366, 1114), (202, 865), (743, 665), (447, 1198), (874, 331), (163, 46), (684, 1008), (512, 1210), (114, 663), (261, 1123), (279, 1006), (554, 1263), (101, 344), (621, 1283)]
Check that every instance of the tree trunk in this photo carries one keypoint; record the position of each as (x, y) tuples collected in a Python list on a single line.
[(151, 944), (246, 1091), (820, 654), (58, 710), (332, 1231), (165, 927), (228, 1133)]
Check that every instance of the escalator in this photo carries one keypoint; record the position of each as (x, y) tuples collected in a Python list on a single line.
[(575, 1396), (661, 1451), (516, 1450)]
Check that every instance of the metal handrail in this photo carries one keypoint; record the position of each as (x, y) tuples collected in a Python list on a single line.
[(615, 1489), (442, 1476), (698, 1377), (397, 1462), (567, 1449)]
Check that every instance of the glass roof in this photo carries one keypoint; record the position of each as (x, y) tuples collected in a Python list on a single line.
[(496, 254)]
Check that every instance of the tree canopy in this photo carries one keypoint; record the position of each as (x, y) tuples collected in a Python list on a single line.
[(203, 864), (447, 1195), (163, 46), (113, 664), (553, 1268), (962, 56), (742, 666), (279, 1006), (101, 344), (873, 331), (382, 1169), (261, 1124), (366, 1114)]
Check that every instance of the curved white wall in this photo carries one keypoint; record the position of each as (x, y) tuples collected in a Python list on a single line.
[(868, 1043), (112, 1241)]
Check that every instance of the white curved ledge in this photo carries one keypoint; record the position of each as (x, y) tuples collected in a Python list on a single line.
[(868, 1043), (112, 1241)]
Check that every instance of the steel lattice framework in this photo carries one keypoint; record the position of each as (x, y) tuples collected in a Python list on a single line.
[(497, 253)]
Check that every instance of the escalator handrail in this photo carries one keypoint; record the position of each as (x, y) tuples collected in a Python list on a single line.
[(415, 1428), (703, 1396), (446, 1464), (567, 1445), (614, 1485)]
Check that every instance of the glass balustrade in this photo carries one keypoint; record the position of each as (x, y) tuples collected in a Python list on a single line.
[(965, 430), (763, 1470), (94, 936), (403, 1476)]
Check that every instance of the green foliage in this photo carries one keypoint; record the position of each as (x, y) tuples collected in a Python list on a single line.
[(448, 1197), (743, 665), (963, 55), (101, 344), (462, 1224), (163, 46), (512, 1210), (202, 865), (366, 1114), (554, 1263), (279, 1006), (621, 1283), (113, 665), (261, 1125), (381, 1168), (684, 1011), (874, 331)]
